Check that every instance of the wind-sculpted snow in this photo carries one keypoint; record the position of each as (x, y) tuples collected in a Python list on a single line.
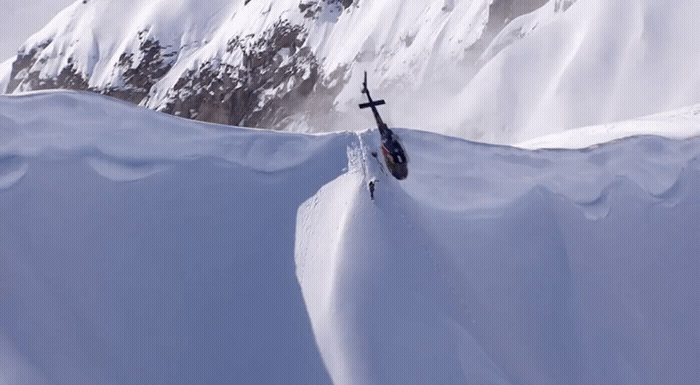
[(137, 247), (498, 265), (599, 62), (101, 128)]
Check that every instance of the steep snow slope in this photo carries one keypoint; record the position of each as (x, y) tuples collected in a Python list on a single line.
[(5, 71), (492, 265), (599, 62), (137, 247)]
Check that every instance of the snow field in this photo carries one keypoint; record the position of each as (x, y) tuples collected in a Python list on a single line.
[(142, 248)]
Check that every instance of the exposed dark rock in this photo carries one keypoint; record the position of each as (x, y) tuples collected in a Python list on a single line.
[(303, 7), (312, 8), (23, 65), (154, 63), (344, 3), (69, 78), (408, 39), (22, 75), (563, 5), (276, 78), (501, 12)]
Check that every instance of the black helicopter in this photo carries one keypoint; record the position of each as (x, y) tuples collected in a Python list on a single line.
[(394, 154)]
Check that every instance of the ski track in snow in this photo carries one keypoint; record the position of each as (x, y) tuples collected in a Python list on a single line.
[(235, 255)]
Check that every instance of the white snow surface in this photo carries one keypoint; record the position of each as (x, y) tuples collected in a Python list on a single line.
[(598, 62), (677, 124), (137, 247), (5, 71)]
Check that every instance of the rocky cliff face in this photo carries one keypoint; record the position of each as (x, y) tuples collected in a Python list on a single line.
[(261, 63)]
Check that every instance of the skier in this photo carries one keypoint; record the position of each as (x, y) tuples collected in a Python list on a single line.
[(371, 189)]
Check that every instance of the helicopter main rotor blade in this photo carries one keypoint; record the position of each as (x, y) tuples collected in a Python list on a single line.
[(372, 104)]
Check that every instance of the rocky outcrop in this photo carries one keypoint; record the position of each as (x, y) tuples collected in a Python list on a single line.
[(139, 72), (22, 70), (154, 62), (276, 76), (312, 8)]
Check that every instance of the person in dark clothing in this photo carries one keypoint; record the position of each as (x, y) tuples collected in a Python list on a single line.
[(371, 189)]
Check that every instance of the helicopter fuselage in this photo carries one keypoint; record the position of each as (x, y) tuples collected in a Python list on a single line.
[(393, 152)]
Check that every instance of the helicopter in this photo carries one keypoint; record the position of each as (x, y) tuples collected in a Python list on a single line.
[(393, 152)]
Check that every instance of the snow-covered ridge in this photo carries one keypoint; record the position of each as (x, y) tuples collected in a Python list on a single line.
[(678, 124), (138, 247), (85, 124)]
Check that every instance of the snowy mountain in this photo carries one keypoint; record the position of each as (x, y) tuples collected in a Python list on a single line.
[(255, 63), (599, 62), (487, 70), (137, 247), (290, 64)]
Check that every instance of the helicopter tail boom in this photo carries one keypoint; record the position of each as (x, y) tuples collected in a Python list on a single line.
[(364, 85)]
